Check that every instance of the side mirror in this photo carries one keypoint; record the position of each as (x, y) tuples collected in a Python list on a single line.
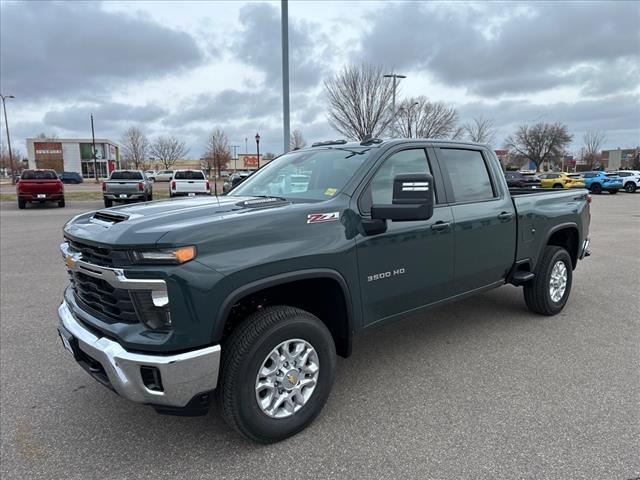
[(413, 199)]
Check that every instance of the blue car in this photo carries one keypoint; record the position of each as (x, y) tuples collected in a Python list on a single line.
[(597, 182), (71, 177)]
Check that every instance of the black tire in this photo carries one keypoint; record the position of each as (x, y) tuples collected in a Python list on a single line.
[(557, 185), (613, 192), (536, 292), (108, 203), (242, 356), (61, 203), (630, 187), (151, 197), (596, 188), (22, 203)]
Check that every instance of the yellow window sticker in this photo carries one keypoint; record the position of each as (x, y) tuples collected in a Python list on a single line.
[(330, 192)]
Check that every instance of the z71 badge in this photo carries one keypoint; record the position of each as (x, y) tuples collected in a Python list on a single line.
[(323, 217)]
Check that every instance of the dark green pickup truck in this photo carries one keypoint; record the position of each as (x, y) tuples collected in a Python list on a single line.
[(253, 294)]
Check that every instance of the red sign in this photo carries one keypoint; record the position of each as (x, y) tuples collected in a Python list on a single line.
[(250, 162)]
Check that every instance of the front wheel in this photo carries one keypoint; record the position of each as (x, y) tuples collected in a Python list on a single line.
[(613, 192), (557, 185), (277, 372), (596, 188), (549, 290), (630, 187)]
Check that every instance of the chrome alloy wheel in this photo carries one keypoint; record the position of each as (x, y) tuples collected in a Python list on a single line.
[(558, 281), (287, 378)]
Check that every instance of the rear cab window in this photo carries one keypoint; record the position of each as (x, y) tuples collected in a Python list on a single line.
[(468, 174), (126, 175), (189, 175), (38, 175)]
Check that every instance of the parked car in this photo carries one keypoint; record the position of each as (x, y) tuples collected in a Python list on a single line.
[(251, 296), (39, 186), (71, 177), (151, 175), (234, 180), (189, 183), (126, 186), (521, 180), (596, 182), (561, 180), (630, 179), (163, 176)]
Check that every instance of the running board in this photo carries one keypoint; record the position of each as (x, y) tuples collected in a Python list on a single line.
[(521, 276)]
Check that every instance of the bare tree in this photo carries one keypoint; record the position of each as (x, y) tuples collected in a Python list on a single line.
[(539, 143), (359, 101), (217, 154), (135, 148), (168, 150), (480, 130), (592, 140), (417, 117), (14, 166), (297, 140)]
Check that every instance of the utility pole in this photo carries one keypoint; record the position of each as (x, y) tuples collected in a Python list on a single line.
[(285, 73), (395, 77), (6, 124), (215, 166), (93, 142), (246, 147), (235, 157)]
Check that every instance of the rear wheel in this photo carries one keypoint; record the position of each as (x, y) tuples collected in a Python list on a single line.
[(596, 188), (630, 187), (277, 372), (613, 192), (21, 203), (108, 203), (557, 185), (61, 203), (549, 290)]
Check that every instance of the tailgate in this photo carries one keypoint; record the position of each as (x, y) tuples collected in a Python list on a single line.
[(122, 186), (196, 186), (39, 186)]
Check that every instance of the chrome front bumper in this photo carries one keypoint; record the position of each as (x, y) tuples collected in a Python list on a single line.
[(183, 376)]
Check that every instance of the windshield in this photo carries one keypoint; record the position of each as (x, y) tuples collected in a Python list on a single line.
[(189, 175), (39, 175), (316, 174), (126, 175)]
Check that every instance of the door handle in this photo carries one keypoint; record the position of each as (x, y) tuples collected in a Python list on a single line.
[(441, 226), (505, 216)]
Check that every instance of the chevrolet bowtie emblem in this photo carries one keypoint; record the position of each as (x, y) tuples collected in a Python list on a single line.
[(69, 260), (291, 379)]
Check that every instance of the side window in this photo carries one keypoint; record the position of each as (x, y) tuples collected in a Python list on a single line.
[(380, 190), (468, 174)]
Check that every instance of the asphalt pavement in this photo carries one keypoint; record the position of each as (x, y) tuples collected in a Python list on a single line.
[(480, 389)]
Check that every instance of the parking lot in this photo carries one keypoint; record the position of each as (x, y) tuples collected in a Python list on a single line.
[(478, 389)]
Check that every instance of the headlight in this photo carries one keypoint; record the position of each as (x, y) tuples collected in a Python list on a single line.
[(168, 255)]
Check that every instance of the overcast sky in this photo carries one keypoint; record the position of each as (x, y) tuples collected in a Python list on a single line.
[(184, 68)]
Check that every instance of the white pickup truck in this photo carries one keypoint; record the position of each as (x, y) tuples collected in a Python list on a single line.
[(189, 183)]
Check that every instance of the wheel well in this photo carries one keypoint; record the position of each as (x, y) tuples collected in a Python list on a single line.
[(568, 239), (322, 297)]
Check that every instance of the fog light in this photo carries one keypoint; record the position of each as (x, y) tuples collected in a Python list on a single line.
[(160, 298)]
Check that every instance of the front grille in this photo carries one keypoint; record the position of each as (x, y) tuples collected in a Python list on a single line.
[(103, 257), (99, 296)]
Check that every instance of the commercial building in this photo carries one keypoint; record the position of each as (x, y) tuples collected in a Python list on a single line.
[(73, 155), (619, 158)]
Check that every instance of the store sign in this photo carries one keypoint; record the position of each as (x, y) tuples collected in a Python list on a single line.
[(250, 162), (47, 149), (86, 151)]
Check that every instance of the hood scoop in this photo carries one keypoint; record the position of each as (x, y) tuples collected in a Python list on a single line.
[(263, 202), (109, 217)]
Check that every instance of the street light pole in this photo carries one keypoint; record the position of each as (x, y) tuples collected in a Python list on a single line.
[(93, 142), (6, 124), (395, 77), (258, 148), (235, 157), (215, 166), (285, 73)]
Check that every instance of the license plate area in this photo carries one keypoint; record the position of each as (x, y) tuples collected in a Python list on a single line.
[(191, 194), (42, 195), (123, 195)]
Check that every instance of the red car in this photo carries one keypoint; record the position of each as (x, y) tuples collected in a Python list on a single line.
[(39, 186)]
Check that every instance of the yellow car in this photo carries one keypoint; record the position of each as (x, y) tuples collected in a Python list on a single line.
[(561, 180)]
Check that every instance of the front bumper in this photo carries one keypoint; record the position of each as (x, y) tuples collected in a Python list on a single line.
[(183, 376)]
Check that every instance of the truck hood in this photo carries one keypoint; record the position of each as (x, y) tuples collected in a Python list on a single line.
[(147, 223)]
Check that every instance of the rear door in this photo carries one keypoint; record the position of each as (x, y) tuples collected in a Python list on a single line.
[(411, 264), (484, 217)]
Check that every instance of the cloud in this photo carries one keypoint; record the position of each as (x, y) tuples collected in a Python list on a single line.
[(495, 49), (259, 45), (108, 115), (55, 49)]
